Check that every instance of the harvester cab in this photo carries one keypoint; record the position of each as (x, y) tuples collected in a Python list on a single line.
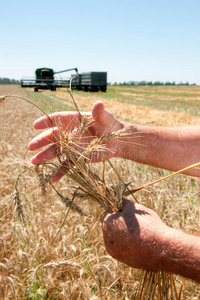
[(44, 79), (44, 75)]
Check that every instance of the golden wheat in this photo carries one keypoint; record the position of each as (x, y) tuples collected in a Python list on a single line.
[(73, 161)]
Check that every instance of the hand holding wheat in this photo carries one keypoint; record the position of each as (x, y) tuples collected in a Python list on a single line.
[(134, 236), (101, 123), (137, 237)]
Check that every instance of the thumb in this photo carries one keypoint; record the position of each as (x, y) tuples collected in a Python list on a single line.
[(126, 203), (101, 115), (104, 216)]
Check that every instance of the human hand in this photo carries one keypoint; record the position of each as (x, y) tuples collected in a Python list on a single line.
[(134, 236), (102, 122)]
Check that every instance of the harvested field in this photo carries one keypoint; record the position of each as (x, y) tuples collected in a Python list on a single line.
[(76, 265), (135, 113)]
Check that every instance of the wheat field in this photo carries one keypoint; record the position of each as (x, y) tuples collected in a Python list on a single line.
[(37, 262)]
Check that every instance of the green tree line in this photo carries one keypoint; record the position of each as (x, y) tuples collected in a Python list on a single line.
[(143, 82), (8, 81)]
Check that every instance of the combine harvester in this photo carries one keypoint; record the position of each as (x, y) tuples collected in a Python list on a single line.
[(44, 79)]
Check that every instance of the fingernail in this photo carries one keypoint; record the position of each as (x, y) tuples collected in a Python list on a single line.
[(34, 160), (33, 145)]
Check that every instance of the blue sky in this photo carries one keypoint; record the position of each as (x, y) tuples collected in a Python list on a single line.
[(131, 40)]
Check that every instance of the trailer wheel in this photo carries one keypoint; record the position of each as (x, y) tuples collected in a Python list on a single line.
[(85, 88), (103, 89), (35, 89)]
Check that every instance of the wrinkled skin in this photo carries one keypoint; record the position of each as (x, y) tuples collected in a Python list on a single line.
[(132, 236)]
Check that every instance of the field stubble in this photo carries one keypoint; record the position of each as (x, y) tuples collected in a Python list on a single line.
[(76, 265)]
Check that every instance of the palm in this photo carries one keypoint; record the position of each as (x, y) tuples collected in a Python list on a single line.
[(102, 122)]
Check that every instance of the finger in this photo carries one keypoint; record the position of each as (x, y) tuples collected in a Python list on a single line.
[(61, 172), (127, 204), (102, 116), (60, 119), (104, 216), (99, 113), (57, 177), (45, 138), (45, 155), (56, 119)]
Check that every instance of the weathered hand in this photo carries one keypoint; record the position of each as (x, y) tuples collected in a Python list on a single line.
[(137, 237), (134, 236), (102, 123)]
